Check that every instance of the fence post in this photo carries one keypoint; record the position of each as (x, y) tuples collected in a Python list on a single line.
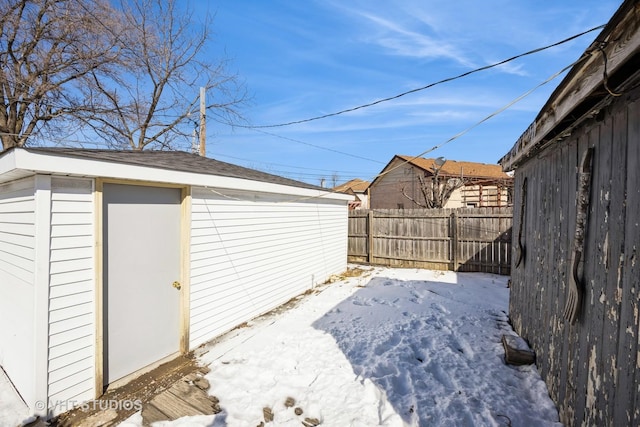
[(370, 236), (454, 240)]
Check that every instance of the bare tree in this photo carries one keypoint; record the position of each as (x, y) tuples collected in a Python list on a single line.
[(436, 190), (46, 48), (151, 102), (128, 72)]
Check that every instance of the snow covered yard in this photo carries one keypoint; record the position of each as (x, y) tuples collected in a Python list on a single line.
[(392, 347)]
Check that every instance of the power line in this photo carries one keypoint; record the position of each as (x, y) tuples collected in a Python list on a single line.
[(456, 136), (435, 147), (286, 166), (449, 79), (317, 146), (490, 116)]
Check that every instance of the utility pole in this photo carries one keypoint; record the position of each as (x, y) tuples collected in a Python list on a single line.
[(203, 123)]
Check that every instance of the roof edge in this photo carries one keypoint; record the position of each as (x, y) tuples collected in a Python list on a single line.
[(42, 162), (582, 90)]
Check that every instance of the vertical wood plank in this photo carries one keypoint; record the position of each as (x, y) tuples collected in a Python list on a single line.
[(572, 330), (538, 246), (516, 272), (454, 240), (99, 295), (552, 282), (611, 134), (544, 264), (595, 268), (185, 262), (631, 283), (625, 389), (585, 337), (565, 202), (370, 231)]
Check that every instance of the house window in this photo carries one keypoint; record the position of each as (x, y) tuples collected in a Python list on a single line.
[(471, 205), (400, 205)]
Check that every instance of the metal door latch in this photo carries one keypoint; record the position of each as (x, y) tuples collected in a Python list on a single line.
[(177, 285)]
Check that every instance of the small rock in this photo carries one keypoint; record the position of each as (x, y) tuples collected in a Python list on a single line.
[(289, 402), (311, 422), (261, 424), (298, 411), (268, 415), (215, 408)]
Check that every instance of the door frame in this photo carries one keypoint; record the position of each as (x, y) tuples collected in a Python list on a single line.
[(185, 239)]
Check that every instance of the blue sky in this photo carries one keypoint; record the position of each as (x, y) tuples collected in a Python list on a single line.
[(302, 59)]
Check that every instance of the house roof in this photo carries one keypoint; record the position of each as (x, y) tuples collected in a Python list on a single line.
[(171, 160), (477, 171), (607, 67), (457, 168), (356, 185)]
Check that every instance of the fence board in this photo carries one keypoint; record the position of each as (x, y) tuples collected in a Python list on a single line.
[(442, 239)]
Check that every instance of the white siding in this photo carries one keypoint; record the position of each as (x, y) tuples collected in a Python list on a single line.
[(17, 266), (251, 252), (72, 292)]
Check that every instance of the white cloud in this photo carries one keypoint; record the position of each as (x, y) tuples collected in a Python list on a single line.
[(400, 34), (511, 68), (404, 42)]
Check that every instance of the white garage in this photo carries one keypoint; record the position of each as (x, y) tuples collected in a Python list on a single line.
[(114, 261)]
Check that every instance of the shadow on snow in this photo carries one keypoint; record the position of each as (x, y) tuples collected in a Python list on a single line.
[(434, 349)]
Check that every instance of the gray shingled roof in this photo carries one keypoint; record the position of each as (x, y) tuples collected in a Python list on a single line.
[(173, 160)]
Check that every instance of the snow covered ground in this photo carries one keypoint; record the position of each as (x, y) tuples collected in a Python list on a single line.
[(13, 411), (393, 347)]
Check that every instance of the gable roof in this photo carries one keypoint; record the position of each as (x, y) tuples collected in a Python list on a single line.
[(356, 185), (455, 168), (170, 160)]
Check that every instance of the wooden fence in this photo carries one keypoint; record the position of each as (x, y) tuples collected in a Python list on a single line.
[(476, 239)]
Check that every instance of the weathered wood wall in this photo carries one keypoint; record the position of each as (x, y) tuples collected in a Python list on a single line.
[(441, 239), (592, 366)]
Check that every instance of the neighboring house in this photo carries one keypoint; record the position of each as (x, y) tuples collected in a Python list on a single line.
[(113, 261), (400, 180), (575, 287), (358, 189)]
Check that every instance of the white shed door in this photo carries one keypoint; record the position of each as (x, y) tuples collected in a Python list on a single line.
[(141, 260)]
